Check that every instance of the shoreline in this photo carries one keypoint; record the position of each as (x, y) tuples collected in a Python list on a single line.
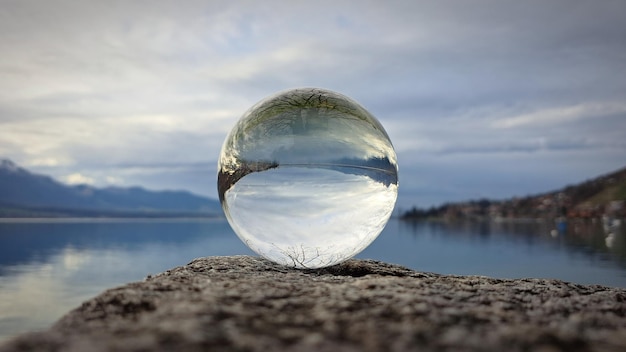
[(107, 219)]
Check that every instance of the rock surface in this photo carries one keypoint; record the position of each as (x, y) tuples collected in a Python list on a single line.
[(246, 303)]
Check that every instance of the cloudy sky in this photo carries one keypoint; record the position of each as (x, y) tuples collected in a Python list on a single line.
[(480, 98)]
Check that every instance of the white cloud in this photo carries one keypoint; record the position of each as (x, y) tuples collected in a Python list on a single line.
[(87, 87), (559, 115), (79, 179), (51, 162), (113, 180)]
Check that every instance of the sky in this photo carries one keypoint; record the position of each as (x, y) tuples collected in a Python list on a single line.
[(480, 98)]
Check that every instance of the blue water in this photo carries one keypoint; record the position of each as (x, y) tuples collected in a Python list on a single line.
[(48, 267)]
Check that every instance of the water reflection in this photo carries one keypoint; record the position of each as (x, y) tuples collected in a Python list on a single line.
[(48, 268), (505, 250), (308, 217), (610, 226)]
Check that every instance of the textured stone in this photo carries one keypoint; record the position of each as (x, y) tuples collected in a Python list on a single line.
[(246, 303)]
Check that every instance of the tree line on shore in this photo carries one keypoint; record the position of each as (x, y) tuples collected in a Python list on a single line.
[(601, 196)]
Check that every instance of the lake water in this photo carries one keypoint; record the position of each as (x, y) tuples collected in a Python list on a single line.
[(48, 267)]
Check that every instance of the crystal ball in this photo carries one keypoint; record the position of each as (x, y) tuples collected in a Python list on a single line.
[(307, 178)]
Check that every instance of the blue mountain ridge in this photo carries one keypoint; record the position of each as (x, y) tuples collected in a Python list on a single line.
[(26, 193)]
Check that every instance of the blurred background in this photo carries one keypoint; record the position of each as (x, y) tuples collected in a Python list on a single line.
[(480, 98)]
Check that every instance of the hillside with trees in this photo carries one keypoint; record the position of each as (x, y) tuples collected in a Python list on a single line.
[(601, 196)]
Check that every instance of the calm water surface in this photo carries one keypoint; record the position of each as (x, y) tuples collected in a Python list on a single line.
[(48, 267)]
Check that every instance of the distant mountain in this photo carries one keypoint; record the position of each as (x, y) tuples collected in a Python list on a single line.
[(23, 193), (603, 195)]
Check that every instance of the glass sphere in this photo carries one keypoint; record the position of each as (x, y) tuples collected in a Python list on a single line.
[(307, 178)]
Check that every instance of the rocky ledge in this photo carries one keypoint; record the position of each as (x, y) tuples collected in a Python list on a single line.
[(249, 304)]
